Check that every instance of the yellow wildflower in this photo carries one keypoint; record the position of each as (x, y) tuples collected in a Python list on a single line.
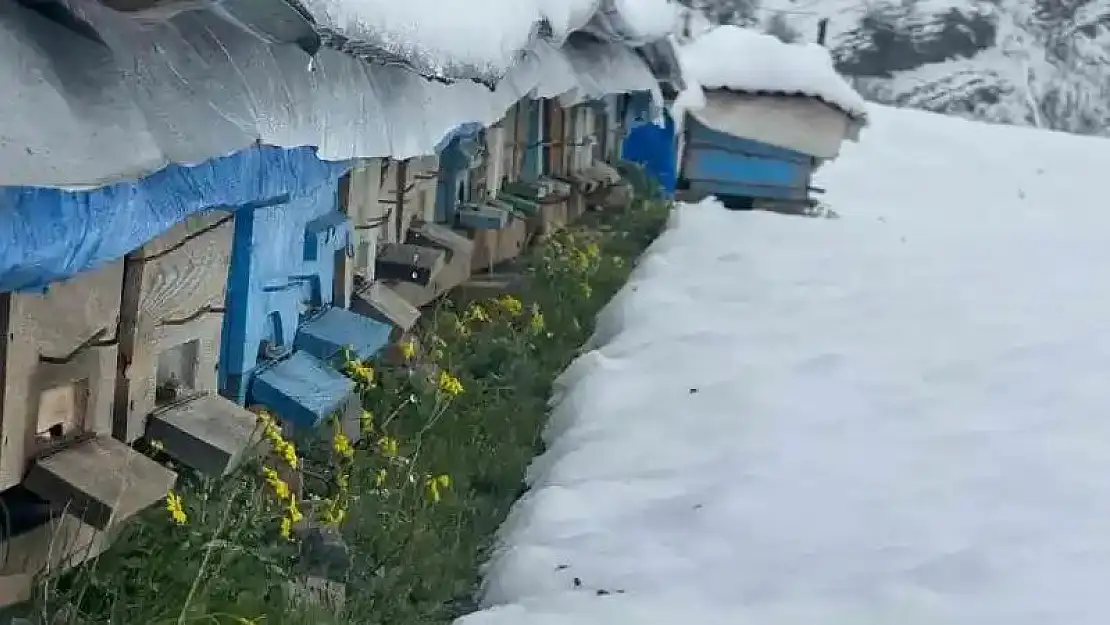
[(279, 486), (476, 313), (461, 329), (436, 485), (408, 349), (293, 511), (286, 528), (510, 304), (388, 446), (537, 321), (335, 514), (448, 384), (580, 262), (593, 251), (284, 449), (342, 446), (176, 507), (360, 372), (380, 477)]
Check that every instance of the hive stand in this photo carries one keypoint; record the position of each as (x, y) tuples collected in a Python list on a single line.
[(173, 301), (58, 353)]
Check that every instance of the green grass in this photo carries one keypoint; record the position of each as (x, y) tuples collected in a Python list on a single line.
[(414, 555)]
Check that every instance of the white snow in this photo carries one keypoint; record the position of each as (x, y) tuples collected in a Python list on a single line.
[(648, 19), (898, 417), (742, 59), (443, 33)]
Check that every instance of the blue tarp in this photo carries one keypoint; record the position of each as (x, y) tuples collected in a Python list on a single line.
[(468, 129), (48, 234), (653, 146)]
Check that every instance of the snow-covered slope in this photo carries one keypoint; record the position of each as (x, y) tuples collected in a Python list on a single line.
[(897, 417), (1029, 62)]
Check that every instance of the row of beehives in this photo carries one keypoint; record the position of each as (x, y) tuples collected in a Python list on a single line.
[(252, 305)]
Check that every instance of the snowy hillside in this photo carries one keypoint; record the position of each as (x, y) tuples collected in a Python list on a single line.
[(897, 417), (1029, 62)]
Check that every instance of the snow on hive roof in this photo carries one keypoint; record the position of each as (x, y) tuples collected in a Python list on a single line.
[(636, 22), (740, 59), (445, 38), (479, 39)]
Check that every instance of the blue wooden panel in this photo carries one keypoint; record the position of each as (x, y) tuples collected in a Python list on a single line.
[(698, 135), (301, 389), (326, 334), (452, 180), (532, 168), (718, 165), (702, 188), (282, 264)]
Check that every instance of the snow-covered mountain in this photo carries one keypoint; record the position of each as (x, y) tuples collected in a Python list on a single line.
[(1029, 62)]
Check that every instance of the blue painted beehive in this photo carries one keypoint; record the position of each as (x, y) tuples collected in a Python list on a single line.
[(283, 336), (731, 167)]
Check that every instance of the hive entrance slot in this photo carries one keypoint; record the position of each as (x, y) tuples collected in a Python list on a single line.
[(177, 372), (61, 412)]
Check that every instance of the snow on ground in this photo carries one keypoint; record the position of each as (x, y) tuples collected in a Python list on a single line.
[(898, 417)]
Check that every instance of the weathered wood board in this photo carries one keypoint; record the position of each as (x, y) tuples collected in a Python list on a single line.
[(555, 136), (101, 481), (58, 357), (492, 247), (171, 319)]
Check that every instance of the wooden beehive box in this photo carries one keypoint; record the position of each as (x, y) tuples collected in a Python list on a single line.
[(58, 361), (170, 332), (58, 354)]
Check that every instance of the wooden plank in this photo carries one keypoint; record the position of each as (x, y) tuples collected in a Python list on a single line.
[(367, 213), (377, 300), (58, 365), (171, 318), (522, 138), (344, 284), (493, 247), (302, 390), (411, 263), (556, 136), (487, 286), (438, 235), (206, 432), (52, 547), (101, 481), (483, 217)]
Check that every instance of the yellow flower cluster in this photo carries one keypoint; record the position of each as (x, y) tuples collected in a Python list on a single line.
[(366, 422), (341, 445), (388, 447), (283, 448), (448, 384), (476, 313), (285, 497), (536, 321), (510, 304), (435, 486), (408, 349), (176, 507)]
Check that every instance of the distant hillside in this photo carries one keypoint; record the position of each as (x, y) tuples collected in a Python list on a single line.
[(1039, 63)]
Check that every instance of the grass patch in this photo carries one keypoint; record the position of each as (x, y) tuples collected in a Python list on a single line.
[(449, 428)]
